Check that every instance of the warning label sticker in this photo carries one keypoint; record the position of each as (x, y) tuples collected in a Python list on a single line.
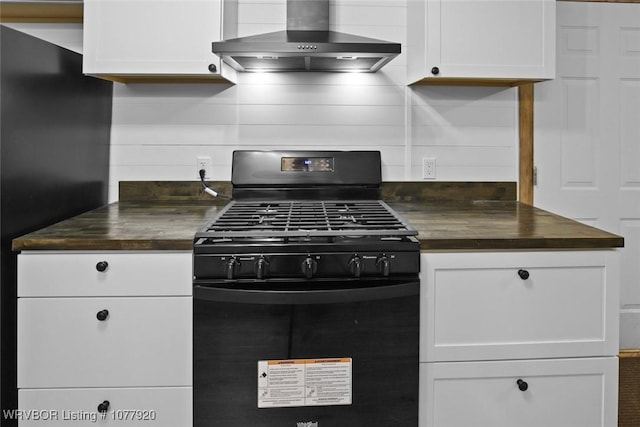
[(304, 382)]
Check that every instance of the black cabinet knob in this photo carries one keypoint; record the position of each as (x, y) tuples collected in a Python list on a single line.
[(435, 71), (213, 68), (524, 274), (102, 315), (102, 266), (104, 406), (522, 385)]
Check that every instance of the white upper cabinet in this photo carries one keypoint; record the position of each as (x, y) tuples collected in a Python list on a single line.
[(481, 41), (130, 40)]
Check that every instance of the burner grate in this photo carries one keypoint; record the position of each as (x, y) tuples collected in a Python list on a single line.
[(307, 218)]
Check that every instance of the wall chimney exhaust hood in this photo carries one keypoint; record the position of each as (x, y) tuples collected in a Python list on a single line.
[(306, 45)]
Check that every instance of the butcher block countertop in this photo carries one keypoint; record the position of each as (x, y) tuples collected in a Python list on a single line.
[(168, 223)]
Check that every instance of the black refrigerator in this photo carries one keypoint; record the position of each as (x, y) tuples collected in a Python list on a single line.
[(54, 159)]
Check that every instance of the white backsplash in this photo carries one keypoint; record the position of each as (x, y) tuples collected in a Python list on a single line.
[(159, 130)]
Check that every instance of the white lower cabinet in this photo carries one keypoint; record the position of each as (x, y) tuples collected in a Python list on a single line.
[(103, 274), (105, 336), (519, 305), (157, 407), (140, 342), (520, 393), (519, 339)]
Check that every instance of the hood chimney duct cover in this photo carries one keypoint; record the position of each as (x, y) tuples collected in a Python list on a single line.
[(307, 15)]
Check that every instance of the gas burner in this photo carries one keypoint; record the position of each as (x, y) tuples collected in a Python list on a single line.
[(266, 211)]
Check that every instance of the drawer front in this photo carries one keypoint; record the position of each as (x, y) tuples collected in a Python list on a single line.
[(141, 342), (124, 274), (490, 306), (155, 407), (556, 393)]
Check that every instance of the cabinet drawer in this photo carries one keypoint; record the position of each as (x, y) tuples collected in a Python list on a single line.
[(125, 274), (142, 342), (478, 307), (559, 393), (156, 407)]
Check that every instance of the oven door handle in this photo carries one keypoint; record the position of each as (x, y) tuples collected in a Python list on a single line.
[(316, 296)]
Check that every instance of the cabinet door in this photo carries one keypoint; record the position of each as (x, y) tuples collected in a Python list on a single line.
[(151, 36), (139, 342), (65, 273), (136, 407), (477, 306), (527, 393), (487, 39)]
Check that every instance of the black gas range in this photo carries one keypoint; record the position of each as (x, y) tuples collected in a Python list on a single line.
[(306, 266)]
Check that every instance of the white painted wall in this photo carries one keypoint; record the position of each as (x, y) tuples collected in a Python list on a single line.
[(159, 129)]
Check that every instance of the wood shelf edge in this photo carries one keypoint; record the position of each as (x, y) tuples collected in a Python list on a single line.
[(156, 78), (457, 81)]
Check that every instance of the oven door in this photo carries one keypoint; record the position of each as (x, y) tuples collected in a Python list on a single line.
[(341, 357)]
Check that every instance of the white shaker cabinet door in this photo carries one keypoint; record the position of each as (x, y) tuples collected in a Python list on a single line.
[(104, 342), (152, 37), (519, 305), (481, 39), (523, 393)]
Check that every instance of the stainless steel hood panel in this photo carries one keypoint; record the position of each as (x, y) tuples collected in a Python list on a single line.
[(306, 51), (306, 45)]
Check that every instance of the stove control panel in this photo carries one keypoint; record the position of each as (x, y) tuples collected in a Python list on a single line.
[(307, 164), (305, 266)]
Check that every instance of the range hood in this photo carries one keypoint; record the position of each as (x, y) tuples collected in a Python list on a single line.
[(306, 45)]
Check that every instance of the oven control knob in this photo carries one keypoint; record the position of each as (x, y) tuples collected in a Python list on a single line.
[(261, 267), (309, 267), (383, 265), (355, 266), (232, 267)]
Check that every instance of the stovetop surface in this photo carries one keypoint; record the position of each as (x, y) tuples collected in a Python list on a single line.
[(346, 219)]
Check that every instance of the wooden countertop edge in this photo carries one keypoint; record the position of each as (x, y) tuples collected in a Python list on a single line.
[(43, 244), (26, 244), (628, 353), (520, 244)]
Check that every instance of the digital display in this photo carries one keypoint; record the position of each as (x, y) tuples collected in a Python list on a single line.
[(307, 164)]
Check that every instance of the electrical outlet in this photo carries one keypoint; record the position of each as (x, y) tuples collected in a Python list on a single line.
[(428, 167), (203, 162)]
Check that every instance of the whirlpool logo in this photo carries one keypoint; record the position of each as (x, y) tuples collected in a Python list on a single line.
[(307, 424)]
